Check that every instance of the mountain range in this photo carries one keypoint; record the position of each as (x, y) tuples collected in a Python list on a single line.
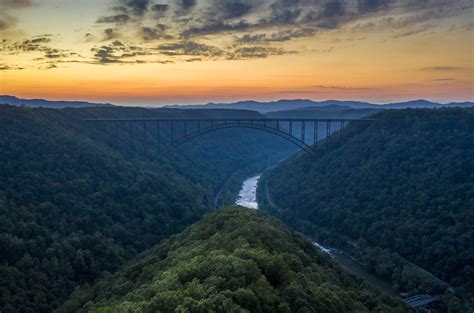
[(41, 103), (262, 107), (283, 105)]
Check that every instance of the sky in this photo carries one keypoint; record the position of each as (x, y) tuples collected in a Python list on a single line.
[(158, 52)]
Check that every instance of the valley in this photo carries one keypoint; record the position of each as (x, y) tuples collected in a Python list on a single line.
[(112, 204)]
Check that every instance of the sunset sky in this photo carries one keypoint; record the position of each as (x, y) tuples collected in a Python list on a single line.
[(155, 52)]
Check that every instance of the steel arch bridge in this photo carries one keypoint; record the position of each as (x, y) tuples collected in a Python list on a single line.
[(169, 134)]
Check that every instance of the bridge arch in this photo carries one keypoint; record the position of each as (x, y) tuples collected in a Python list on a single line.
[(258, 126), (304, 133)]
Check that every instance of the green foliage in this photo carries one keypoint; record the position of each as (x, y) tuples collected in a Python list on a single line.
[(77, 200), (404, 183), (234, 260)]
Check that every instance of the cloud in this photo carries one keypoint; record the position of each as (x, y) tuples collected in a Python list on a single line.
[(118, 52), (244, 29), (215, 28), (419, 18), (230, 9), (106, 55), (187, 4), (322, 89), (7, 19), (117, 19), (280, 36), (190, 48), (372, 5), (36, 45), (256, 52), (333, 8), (138, 7), (208, 52), (16, 4), (192, 30), (341, 88), (442, 68), (148, 33), (160, 9), (191, 19), (56, 54), (413, 31), (41, 39), (110, 33), (9, 67), (443, 79), (468, 27)]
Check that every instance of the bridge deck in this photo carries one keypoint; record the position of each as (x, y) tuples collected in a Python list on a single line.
[(303, 132), (226, 119)]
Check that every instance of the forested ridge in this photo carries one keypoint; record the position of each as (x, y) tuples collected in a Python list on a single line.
[(77, 199), (403, 184), (234, 260)]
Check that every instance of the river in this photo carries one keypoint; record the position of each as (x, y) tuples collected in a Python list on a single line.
[(248, 193)]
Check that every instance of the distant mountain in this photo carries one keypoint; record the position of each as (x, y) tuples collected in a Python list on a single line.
[(350, 104), (465, 104), (41, 103), (285, 105), (262, 107), (325, 112), (424, 104), (280, 105), (418, 104)]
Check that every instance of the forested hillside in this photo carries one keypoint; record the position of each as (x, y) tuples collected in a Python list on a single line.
[(403, 184), (234, 260), (77, 200)]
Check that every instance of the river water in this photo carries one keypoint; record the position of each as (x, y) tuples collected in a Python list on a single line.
[(248, 193)]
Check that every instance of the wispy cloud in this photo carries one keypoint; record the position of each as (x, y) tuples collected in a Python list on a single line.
[(273, 21), (341, 87), (191, 30), (7, 67), (7, 20), (319, 89), (443, 68), (444, 79)]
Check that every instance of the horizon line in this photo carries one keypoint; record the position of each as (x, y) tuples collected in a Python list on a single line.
[(171, 105)]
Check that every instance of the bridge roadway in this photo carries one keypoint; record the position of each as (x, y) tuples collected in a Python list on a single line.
[(304, 133)]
